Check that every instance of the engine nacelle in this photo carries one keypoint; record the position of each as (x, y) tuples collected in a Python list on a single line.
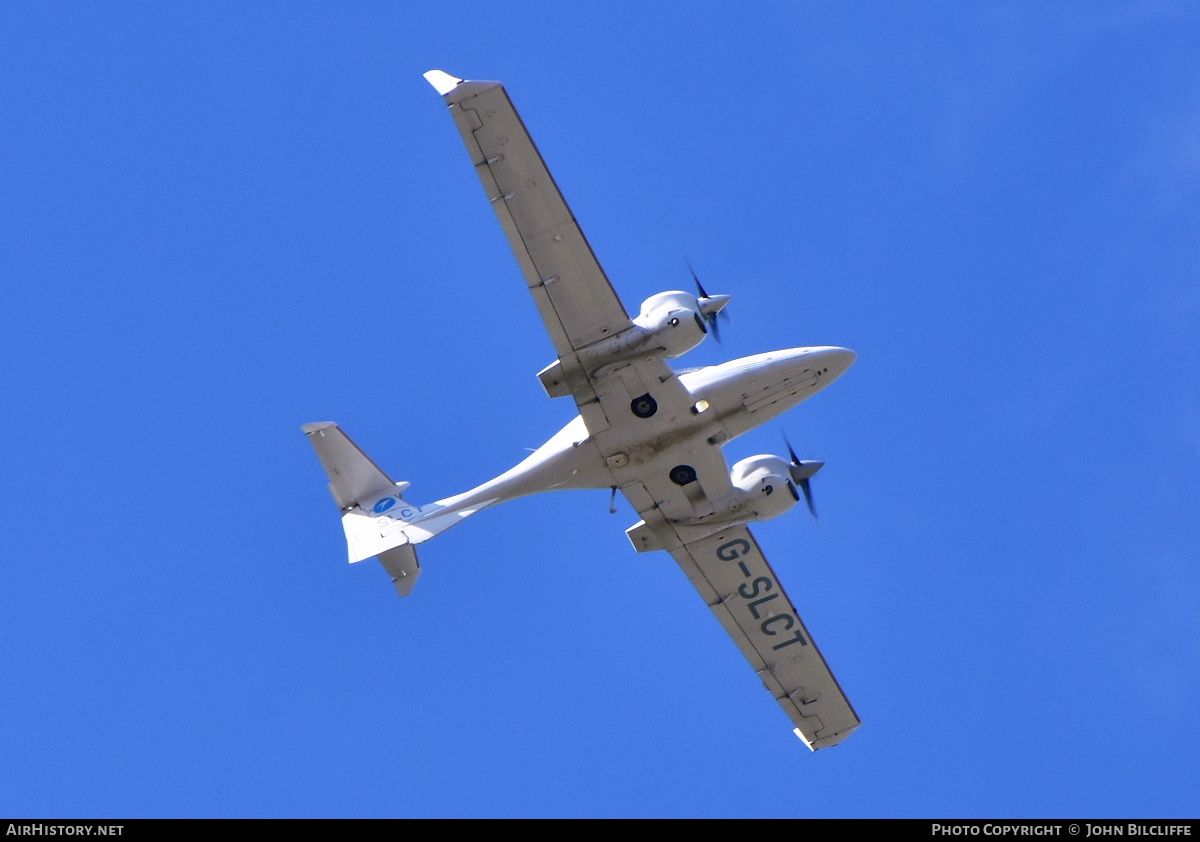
[(670, 324), (762, 489), (767, 485), (673, 322)]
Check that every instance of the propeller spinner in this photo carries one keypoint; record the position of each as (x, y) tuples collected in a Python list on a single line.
[(802, 471), (711, 306)]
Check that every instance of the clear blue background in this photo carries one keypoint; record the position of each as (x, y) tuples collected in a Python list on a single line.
[(220, 221)]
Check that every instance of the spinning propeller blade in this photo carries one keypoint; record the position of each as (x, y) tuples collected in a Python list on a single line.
[(711, 306), (802, 471)]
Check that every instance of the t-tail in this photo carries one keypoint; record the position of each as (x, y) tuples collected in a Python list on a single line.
[(378, 521)]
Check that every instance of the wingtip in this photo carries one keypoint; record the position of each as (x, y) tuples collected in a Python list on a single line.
[(442, 81), (309, 429)]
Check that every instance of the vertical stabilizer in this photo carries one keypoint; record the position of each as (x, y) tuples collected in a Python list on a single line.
[(402, 565)]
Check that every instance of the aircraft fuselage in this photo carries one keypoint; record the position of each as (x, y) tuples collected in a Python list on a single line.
[(729, 400)]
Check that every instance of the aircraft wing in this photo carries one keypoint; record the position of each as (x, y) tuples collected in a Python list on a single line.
[(735, 580), (723, 561), (573, 295)]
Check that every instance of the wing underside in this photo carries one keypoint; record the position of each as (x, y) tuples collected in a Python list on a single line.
[(735, 580), (573, 295)]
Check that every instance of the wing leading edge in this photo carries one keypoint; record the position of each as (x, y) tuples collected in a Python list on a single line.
[(735, 580)]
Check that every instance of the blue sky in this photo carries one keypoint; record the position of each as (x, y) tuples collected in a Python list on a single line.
[(221, 221)]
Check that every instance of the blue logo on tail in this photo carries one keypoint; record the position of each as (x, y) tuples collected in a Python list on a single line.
[(383, 505)]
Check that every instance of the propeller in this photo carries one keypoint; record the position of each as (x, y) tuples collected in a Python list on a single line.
[(802, 471), (711, 306)]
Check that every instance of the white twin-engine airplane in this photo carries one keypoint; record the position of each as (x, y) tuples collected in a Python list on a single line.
[(643, 428)]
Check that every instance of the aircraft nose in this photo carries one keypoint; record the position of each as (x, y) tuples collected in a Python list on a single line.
[(837, 360)]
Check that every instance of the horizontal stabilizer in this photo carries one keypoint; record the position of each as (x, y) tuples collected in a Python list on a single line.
[(353, 477)]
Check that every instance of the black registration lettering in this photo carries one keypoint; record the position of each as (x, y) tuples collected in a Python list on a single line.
[(732, 550), (766, 624), (761, 585), (754, 605), (797, 638)]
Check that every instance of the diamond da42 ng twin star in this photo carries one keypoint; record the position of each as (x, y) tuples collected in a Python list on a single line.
[(643, 428)]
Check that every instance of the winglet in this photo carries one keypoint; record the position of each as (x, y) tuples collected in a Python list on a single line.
[(455, 90), (442, 81)]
